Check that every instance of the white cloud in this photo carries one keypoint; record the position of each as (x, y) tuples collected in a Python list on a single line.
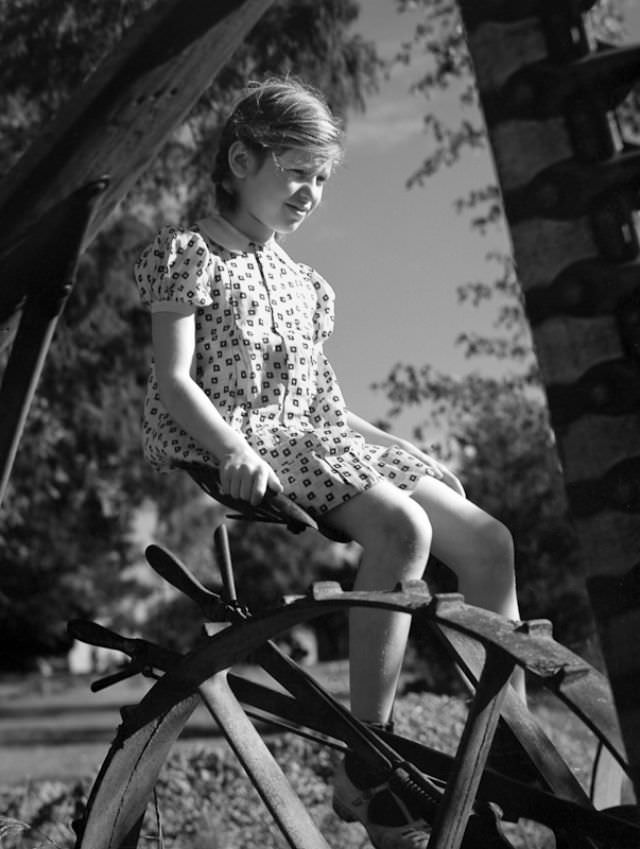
[(387, 123)]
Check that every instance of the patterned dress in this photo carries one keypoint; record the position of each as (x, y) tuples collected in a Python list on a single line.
[(261, 321)]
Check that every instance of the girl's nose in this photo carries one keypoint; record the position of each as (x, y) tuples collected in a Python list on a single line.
[(310, 191)]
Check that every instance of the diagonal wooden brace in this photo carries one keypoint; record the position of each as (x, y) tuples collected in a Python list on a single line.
[(43, 264), (250, 749), (473, 749)]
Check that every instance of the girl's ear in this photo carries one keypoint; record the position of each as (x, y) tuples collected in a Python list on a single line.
[(240, 159)]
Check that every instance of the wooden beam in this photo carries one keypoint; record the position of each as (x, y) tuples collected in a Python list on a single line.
[(46, 265), (122, 115)]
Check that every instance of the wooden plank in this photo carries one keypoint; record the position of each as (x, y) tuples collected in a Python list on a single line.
[(497, 48), (595, 443), (546, 140), (546, 247), (558, 342)]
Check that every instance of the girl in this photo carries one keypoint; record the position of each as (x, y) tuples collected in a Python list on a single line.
[(240, 381)]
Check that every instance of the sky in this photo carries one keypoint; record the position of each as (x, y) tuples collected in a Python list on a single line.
[(395, 256)]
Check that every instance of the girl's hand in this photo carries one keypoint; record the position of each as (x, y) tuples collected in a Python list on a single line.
[(440, 470), (246, 476)]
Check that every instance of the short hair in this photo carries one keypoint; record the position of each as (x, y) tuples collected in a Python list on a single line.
[(276, 115)]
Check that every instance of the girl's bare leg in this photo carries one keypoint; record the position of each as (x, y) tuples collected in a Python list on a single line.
[(477, 547), (395, 534)]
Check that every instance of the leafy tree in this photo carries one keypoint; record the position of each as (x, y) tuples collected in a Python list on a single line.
[(80, 477)]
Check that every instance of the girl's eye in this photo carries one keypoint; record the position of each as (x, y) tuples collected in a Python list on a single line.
[(302, 170), (302, 176)]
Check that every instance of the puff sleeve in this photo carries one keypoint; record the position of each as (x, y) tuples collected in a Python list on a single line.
[(324, 310), (175, 272)]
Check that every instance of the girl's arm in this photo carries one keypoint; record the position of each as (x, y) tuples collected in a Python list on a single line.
[(376, 436), (243, 473)]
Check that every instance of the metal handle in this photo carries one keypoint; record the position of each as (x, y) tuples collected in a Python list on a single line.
[(97, 635), (127, 671), (178, 575)]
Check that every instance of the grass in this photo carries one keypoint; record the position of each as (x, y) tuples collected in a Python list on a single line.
[(206, 801)]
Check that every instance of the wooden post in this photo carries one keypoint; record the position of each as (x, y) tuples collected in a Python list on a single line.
[(45, 266), (569, 192)]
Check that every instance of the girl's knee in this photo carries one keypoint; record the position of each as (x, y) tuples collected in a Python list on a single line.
[(496, 549), (401, 530), (499, 538), (386, 523)]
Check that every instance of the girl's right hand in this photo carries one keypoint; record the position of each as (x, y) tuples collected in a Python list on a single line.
[(246, 476)]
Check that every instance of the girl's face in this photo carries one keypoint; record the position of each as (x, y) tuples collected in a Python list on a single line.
[(276, 193)]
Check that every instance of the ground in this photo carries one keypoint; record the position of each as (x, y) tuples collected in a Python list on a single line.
[(54, 734), (56, 728)]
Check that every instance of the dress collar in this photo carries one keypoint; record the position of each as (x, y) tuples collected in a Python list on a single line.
[(229, 237)]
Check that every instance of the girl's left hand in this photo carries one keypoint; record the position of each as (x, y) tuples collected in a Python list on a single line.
[(440, 470)]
